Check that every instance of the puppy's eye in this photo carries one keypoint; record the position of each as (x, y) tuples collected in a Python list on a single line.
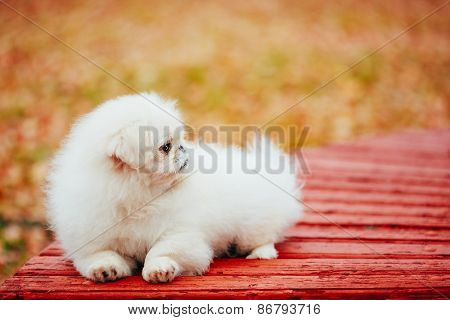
[(166, 147)]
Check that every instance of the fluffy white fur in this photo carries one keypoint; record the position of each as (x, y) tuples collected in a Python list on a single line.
[(96, 190)]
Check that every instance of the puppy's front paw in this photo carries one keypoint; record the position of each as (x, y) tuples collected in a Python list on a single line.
[(267, 251), (108, 269), (160, 269)]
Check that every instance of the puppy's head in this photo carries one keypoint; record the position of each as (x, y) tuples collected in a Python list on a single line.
[(150, 144)]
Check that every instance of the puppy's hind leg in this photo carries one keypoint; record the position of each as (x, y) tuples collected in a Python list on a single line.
[(266, 251), (105, 266)]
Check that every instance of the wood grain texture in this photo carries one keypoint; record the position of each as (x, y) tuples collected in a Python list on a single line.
[(376, 226)]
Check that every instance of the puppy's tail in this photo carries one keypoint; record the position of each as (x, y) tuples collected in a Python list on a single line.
[(280, 170), (275, 166), (270, 158)]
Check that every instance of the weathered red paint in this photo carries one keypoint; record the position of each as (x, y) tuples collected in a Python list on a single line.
[(378, 227)]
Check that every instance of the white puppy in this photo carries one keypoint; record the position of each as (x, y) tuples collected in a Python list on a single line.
[(124, 191)]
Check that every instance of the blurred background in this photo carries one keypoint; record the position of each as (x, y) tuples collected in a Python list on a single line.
[(227, 62)]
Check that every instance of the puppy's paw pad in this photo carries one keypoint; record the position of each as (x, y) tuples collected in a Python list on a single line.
[(263, 252), (162, 269), (103, 271)]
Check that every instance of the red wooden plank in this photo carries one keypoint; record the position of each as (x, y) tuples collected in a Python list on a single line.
[(332, 175), (374, 198), (398, 211), (314, 184), (367, 233), (136, 283), (360, 249), (405, 147), (375, 168), (59, 266), (252, 294), (318, 218), (366, 154), (419, 140), (136, 287)]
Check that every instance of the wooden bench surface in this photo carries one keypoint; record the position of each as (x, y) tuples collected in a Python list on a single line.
[(379, 228)]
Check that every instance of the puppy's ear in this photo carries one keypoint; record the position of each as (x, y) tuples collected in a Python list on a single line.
[(123, 149)]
